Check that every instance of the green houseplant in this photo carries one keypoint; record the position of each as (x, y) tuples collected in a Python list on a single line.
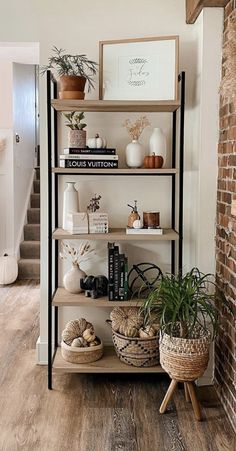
[(188, 319), (76, 133), (184, 304), (73, 72)]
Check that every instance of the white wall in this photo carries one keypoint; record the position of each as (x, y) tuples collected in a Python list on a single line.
[(102, 20)]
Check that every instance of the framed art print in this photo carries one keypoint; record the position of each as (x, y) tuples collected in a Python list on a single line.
[(139, 69)]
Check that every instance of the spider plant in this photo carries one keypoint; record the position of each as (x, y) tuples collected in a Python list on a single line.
[(67, 64), (183, 304), (75, 120)]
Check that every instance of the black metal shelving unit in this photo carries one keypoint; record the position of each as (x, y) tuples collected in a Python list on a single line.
[(176, 177)]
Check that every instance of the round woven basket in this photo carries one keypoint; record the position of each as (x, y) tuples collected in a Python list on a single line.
[(81, 355), (136, 351), (185, 359)]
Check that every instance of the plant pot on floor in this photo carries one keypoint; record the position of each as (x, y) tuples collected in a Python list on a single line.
[(71, 87)]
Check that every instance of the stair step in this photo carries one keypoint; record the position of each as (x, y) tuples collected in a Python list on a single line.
[(37, 173), (33, 215), (32, 232), (30, 249), (29, 268), (35, 200), (36, 186)]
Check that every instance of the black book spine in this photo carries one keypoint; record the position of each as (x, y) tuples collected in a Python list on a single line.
[(87, 151), (89, 164), (126, 288), (116, 273), (121, 277), (111, 271)]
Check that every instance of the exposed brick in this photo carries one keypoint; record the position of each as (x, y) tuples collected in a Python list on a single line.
[(225, 360)]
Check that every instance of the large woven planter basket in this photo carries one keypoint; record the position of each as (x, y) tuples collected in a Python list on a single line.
[(185, 359), (81, 355), (136, 351)]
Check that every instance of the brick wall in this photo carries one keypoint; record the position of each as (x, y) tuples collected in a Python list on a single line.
[(225, 355)]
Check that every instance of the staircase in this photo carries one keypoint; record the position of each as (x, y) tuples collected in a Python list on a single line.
[(29, 263)]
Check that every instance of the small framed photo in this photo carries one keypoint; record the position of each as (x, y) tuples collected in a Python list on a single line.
[(139, 69)]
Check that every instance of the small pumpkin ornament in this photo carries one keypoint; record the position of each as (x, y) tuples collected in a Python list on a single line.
[(97, 142), (89, 335), (153, 161), (74, 329), (126, 320), (147, 332), (79, 343), (94, 343), (8, 269)]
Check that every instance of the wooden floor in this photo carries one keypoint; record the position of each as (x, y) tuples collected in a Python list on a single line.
[(90, 412)]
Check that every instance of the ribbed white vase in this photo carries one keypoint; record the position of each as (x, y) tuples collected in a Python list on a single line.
[(70, 202), (134, 154), (157, 143)]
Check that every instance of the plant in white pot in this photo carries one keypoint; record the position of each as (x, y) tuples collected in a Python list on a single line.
[(185, 306), (76, 134), (74, 71), (75, 256)]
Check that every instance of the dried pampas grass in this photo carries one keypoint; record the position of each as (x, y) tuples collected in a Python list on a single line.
[(228, 83)]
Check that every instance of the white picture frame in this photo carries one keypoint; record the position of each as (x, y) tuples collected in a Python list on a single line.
[(139, 69)]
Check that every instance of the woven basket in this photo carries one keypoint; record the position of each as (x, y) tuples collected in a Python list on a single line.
[(81, 355), (136, 351), (185, 359)]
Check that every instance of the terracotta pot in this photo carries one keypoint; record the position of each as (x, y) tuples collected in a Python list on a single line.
[(72, 83), (75, 95)]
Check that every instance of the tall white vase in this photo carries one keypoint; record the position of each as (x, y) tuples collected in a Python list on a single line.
[(70, 202), (134, 154), (157, 144)]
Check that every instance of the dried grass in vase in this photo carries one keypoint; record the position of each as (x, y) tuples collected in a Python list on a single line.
[(76, 255), (135, 129)]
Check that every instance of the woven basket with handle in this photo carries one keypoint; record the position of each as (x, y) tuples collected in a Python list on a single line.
[(136, 351), (185, 359)]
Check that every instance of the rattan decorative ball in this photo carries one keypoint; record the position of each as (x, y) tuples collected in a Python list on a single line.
[(126, 320), (74, 329)]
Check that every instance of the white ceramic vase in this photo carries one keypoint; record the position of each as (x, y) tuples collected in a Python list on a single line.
[(157, 143), (70, 202), (134, 154), (72, 278)]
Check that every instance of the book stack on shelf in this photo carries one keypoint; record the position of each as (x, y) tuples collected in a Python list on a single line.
[(87, 158), (117, 274)]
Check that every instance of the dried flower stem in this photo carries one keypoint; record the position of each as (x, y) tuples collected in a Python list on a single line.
[(135, 129), (75, 255)]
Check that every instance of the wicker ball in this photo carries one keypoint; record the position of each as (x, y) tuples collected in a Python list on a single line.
[(74, 329), (126, 320)]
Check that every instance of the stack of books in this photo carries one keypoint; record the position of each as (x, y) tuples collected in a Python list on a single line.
[(89, 158), (117, 274)]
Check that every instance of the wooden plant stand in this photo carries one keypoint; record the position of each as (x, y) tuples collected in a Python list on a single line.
[(190, 395)]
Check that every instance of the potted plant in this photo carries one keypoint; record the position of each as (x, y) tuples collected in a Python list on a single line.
[(188, 320), (76, 134), (73, 72)]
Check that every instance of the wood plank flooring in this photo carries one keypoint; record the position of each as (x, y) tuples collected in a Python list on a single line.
[(90, 412)]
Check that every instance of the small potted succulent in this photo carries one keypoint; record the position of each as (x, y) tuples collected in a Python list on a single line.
[(76, 134), (74, 71), (185, 306)]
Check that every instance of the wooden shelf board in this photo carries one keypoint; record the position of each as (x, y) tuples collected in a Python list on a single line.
[(109, 363), (63, 298), (122, 171), (115, 235), (116, 105)]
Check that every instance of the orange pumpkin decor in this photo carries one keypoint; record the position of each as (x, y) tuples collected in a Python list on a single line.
[(153, 161)]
